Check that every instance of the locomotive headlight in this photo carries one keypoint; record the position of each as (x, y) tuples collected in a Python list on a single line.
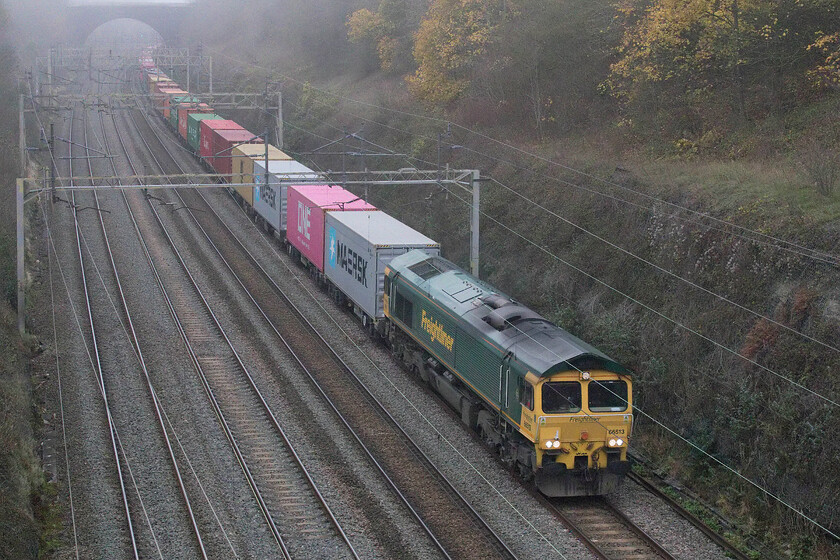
[(552, 443), (616, 442), (619, 442), (612, 443)]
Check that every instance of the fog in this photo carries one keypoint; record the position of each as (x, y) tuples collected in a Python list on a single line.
[(73, 3)]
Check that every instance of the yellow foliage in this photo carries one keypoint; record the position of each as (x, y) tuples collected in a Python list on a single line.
[(453, 34), (693, 39), (827, 73), (386, 48), (364, 25)]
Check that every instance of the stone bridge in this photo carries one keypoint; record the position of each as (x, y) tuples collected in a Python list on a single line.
[(166, 17)]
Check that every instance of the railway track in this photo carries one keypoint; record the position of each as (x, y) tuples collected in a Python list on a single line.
[(606, 531), (297, 516), (458, 530), (187, 486), (150, 526), (731, 551), (96, 356)]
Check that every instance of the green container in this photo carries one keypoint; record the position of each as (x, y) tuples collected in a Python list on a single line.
[(173, 106), (194, 128)]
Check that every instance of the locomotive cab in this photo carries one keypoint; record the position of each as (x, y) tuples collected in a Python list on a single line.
[(555, 408), (581, 423)]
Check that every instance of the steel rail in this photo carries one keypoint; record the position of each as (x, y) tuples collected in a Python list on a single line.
[(501, 545), (136, 342), (238, 454), (547, 502), (652, 543), (688, 516), (262, 400), (594, 541), (266, 407), (99, 373)]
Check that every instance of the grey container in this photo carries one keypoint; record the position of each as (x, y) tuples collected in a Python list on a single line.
[(358, 247), (270, 200)]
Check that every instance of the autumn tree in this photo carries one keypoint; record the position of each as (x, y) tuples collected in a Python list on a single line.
[(546, 63), (452, 37), (389, 30), (826, 73), (681, 58)]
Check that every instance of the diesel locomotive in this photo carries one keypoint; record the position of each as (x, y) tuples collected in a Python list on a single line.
[(555, 408)]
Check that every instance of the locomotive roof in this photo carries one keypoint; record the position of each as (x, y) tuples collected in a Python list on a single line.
[(536, 342)]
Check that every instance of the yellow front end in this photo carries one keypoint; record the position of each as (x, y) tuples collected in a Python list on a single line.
[(581, 424)]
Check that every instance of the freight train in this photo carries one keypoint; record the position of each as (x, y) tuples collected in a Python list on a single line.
[(556, 409)]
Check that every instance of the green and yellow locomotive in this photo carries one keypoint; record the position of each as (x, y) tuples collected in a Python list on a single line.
[(555, 407)]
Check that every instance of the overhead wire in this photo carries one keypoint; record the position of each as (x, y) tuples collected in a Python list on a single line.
[(828, 258), (650, 309), (834, 258), (776, 242), (662, 315), (661, 424), (672, 431), (662, 269), (785, 245)]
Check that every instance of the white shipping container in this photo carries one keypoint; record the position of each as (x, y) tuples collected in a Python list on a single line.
[(270, 200), (358, 247)]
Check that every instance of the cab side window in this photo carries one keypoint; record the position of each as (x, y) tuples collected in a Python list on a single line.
[(526, 394)]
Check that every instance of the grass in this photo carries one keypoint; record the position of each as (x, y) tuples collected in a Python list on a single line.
[(19, 469), (747, 191)]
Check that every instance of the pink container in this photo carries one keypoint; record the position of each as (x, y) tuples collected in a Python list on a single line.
[(206, 141), (223, 143), (306, 210)]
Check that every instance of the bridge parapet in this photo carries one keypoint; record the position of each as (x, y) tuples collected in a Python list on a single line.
[(167, 18)]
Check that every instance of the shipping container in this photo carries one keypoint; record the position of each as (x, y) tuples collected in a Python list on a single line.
[(270, 200), (242, 166), (156, 82), (166, 95), (223, 143), (359, 245), (185, 110), (305, 211), (206, 139), (157, 77), (194, 128), (175, 104), (157, 91)]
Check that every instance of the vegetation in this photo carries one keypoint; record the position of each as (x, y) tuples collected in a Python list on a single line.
[(726, 107), (721, 107), (19, 469), (21, 481)]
